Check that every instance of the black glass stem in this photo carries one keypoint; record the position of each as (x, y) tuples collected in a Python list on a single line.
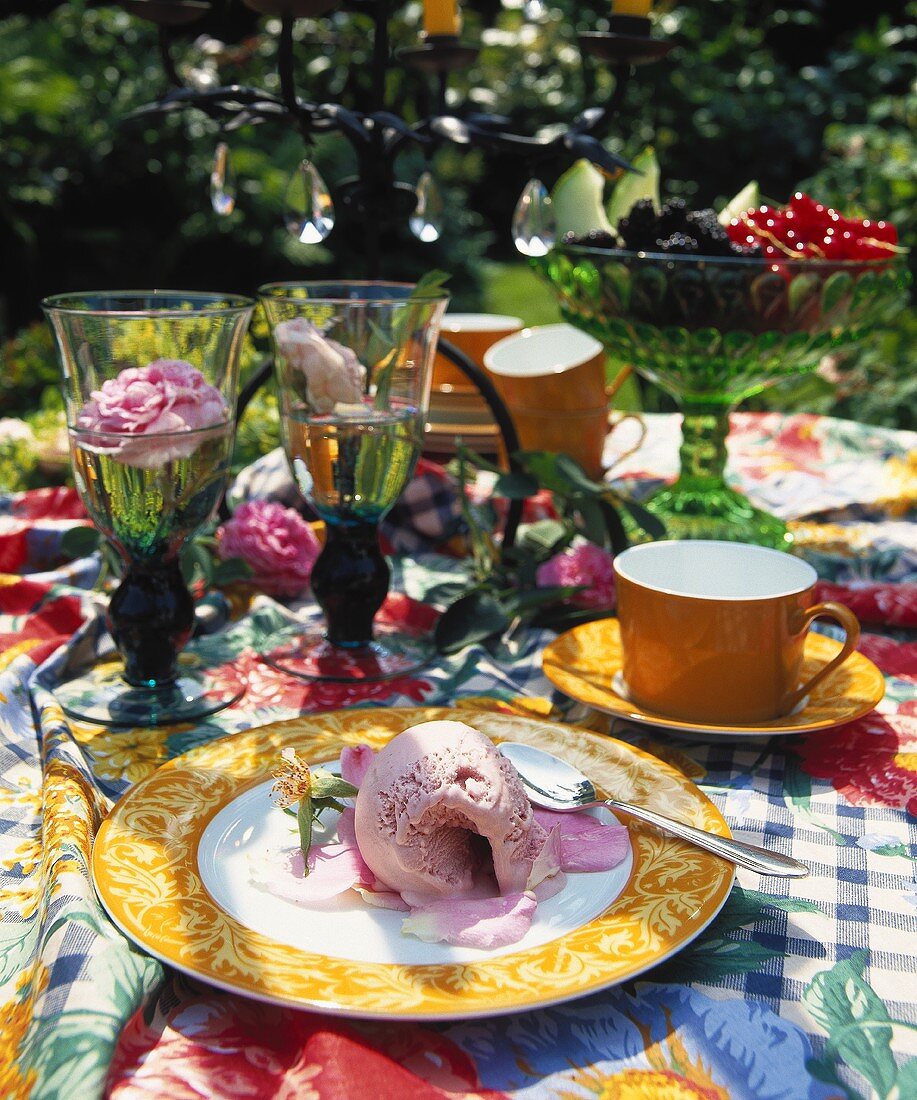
[(151, 617), (350, 581)]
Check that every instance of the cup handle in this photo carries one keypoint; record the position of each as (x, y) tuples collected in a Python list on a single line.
[(848, 622), (616, 423)]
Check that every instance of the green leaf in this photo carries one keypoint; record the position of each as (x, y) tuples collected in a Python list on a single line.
[(592, 520), (546, 535), (716, 958), (430, 284), (515, 485), (463, 452), (649, 523), (470, 619), (326, 784), (847, 1007), (304, 821), (565, 618), (80, 542), (617, 536), (231, 570), (537, 597), (195, 559), (444, 592), (797, 792)]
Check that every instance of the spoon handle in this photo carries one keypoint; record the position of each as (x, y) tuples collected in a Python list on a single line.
[(751, 856)]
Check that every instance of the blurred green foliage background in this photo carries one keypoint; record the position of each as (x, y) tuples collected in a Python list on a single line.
[(797, 93)]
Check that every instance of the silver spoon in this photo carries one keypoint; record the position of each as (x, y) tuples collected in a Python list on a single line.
[(556, 785)]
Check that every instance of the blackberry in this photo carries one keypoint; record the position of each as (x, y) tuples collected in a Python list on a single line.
[(639, 230), (679, 243), (600, 238), (710, 235), (672, 218)]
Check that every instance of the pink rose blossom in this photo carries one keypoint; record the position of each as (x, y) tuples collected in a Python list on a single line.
[(276, 542), (586, 564), (168, 396), (333, 373)]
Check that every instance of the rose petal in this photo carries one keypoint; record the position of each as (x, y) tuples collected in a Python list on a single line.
[(355, 759), (548, 860), (548, 887), (333, 868), (383, 899), (586, 843), (478, 922)]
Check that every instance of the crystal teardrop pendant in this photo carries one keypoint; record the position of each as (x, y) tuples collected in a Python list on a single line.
[(426, 222), (309, 215), (533, 220), (223, 182)]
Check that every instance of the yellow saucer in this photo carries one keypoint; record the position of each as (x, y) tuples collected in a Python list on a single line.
[(584, 662)]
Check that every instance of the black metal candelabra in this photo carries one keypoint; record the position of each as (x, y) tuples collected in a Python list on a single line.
[(374, 194)]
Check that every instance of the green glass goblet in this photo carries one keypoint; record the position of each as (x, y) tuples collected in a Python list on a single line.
[(150, 381), (711, 332)]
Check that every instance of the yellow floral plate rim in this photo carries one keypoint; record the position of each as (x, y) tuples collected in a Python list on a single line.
[(584, 661), (145, 870)]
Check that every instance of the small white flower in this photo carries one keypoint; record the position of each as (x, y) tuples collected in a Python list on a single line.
[(871, 841)]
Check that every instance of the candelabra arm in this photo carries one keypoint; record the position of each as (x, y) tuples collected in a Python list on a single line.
[(285, 69), (165, 55), (500, 413)]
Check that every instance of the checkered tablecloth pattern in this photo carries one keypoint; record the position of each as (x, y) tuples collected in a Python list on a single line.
[(797, 989)]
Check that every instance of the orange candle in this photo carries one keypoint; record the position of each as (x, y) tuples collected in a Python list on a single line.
[(441, 17), (631, 7)]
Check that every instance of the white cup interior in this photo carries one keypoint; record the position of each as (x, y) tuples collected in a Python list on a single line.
[(547, 349), (480, 322), (715, 570)]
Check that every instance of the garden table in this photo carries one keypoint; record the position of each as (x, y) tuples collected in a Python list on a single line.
[(798, 988)]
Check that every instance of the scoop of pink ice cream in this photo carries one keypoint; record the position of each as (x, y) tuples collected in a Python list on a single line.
[(425, 802)]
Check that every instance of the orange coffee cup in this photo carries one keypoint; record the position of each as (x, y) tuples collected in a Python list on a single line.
[(552, 379), (472, 333), (713, 632)]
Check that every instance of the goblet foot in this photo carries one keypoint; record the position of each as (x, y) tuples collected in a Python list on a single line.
[(104, 697), (706, 511), (391, 653)]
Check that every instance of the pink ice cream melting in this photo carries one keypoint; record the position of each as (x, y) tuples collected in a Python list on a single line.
[(431, 804), (443, 830)]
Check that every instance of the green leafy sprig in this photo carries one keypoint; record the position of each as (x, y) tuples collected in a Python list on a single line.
[(503, 595), (384, 347), (310, 792)]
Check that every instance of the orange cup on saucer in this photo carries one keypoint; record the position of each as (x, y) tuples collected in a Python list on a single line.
[(552, 379), (473, 334), (713, 632)]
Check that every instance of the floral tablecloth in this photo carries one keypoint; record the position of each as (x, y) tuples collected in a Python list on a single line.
[(797, 989)]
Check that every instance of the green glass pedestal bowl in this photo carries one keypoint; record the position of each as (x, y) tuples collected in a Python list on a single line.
[(712, 331)]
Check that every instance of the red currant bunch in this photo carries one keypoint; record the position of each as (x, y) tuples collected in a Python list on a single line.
[(806, 229)]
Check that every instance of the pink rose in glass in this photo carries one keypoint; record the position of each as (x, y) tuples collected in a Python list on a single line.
[(276, 542), (155, 406), (333, 373), (586, 564)]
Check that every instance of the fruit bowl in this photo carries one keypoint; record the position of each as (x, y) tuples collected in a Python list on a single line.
[(711, 331)]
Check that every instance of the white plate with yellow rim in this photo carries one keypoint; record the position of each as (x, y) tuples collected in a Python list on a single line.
[(585, 663), (170, 865)]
